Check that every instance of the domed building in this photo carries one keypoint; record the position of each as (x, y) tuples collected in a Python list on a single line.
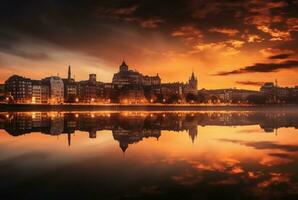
[(131, 77)]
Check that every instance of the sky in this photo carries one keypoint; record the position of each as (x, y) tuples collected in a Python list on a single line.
[(227, 44)]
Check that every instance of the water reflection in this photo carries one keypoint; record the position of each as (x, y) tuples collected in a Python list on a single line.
[(132, 127), (208, 155)]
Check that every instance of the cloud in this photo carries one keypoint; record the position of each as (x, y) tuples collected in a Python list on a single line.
[(277, 35), (226, 31), (24, 51), (253, 83), (267, 52), (128, 14), (188, 33), (280, 56), (262, 68), (251, 38)]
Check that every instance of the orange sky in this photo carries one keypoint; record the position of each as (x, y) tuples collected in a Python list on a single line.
[(171, 39)]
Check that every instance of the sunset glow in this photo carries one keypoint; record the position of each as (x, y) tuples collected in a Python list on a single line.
[(236, 44)]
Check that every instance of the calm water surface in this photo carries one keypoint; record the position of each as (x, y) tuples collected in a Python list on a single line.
[(149, 155)]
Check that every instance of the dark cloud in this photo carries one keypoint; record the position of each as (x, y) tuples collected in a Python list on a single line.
[(262, 68), (280, 56), (253, 83), (90, 26)]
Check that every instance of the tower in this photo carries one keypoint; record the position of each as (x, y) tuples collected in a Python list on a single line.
[(193, 81), (69, 73), (123, 67)]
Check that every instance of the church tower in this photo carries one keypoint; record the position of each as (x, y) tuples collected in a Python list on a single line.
[(193, 81)]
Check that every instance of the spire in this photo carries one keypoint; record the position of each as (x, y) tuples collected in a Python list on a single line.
[(69, 73)]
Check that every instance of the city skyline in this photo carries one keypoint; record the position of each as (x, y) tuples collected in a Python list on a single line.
[(129, 86), (255, 44)]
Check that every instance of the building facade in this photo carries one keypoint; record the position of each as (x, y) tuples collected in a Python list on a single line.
[(56, 86), (19, 89), (130, 77)]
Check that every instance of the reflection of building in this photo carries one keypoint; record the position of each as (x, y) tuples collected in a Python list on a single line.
[(130, 128), (19, 88)]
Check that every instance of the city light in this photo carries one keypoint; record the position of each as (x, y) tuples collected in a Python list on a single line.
[(59, 91)]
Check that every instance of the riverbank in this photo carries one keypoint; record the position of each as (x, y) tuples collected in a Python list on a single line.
[(150, 107)]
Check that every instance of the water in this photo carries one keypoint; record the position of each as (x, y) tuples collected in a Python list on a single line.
[(149, 155)]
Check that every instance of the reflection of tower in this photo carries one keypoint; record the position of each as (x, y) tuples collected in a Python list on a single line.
[(275, 92), (69, 138), (123, 146), (92, 133), (193, 133)]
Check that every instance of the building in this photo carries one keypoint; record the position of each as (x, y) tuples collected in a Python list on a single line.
[(2, 90), (191, 87), (132, 94), (40, 92), (230, 95), (277, 94), (56, 89), (70, 88), (130, 77), (171, 92), (19, 89), (87, 90)]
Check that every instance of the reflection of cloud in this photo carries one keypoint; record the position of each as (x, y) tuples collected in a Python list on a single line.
[(150, 190), (280, 155), (275, 179), (265, 145), (280, 56)]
